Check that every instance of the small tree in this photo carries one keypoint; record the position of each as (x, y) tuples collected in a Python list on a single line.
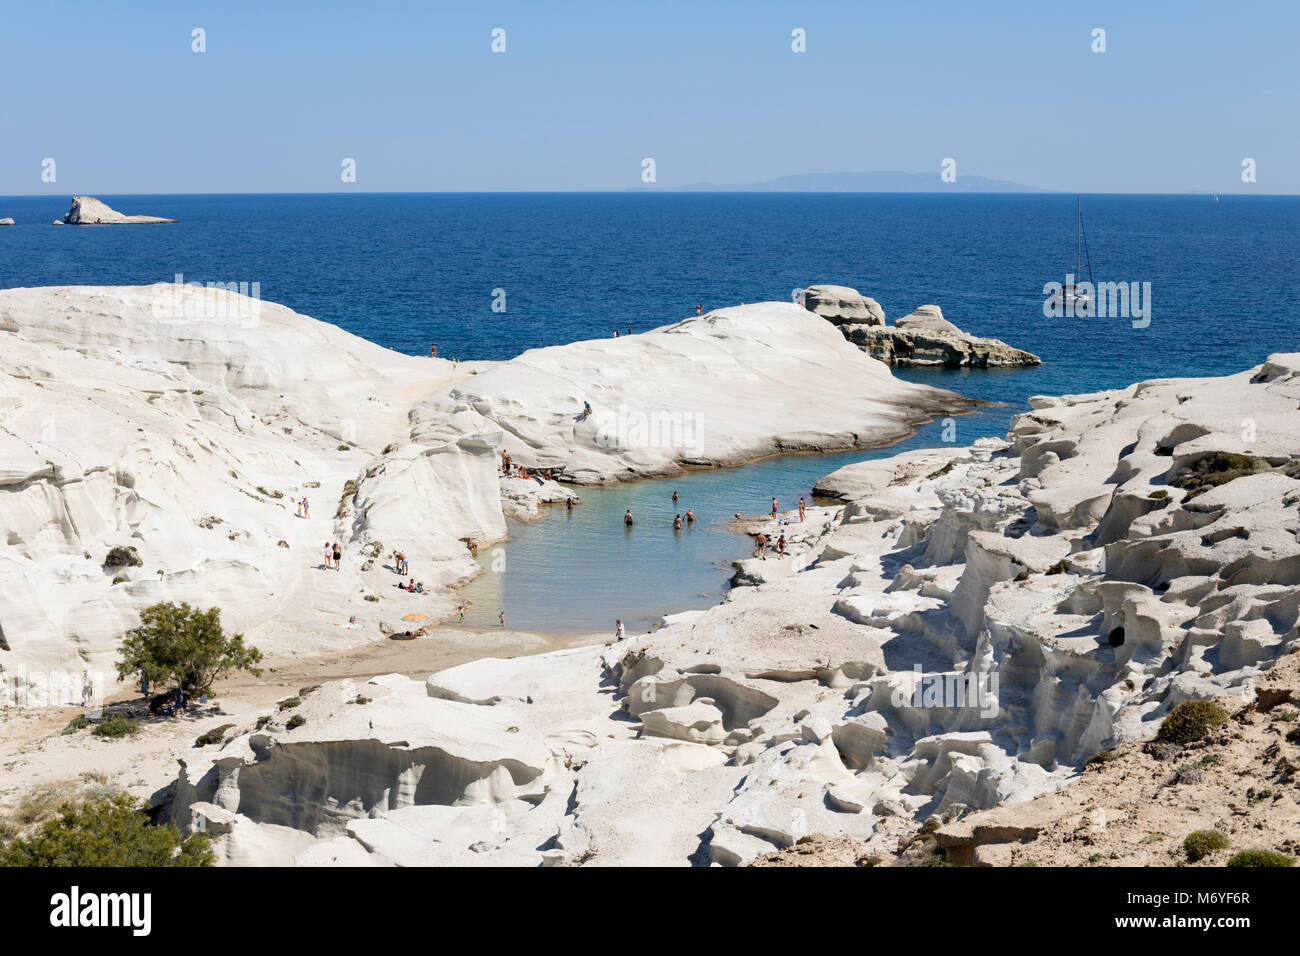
[(183, 646), (108, 832)]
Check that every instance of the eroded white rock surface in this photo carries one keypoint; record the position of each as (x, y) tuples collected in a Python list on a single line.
[(155, 442), (89, 211), (963, 632)]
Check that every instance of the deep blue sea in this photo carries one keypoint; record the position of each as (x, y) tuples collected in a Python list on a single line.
[(409, 270)]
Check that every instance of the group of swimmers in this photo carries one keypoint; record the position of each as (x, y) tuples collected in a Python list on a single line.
[(690, 515)]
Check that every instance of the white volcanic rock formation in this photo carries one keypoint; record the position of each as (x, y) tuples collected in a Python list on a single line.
[(89, 211), (182, 425), (186, 424), (965, 631), (720, 389), (922, 337), (843, 306)]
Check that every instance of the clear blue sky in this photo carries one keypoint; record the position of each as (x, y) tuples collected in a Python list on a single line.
[(585, 90)]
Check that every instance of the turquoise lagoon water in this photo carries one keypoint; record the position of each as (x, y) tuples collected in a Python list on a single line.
[(579, 571)]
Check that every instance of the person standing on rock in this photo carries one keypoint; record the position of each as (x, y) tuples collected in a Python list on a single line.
[(338, 556), (433, 351), (629, 328), (329, 554), (773, 507), (780, 544), (306, 507), (699, 309), (501, 615), (803, 510), (618, 630), (760, 546)]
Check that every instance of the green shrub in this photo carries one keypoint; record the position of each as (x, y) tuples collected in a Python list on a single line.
[(1214, 469), (116, 727), (37, 804), (1158, 494), (214, 736), (1201, 843), (1189, 721), (1260, 858), (183, 646), (290, 703), (106, 832), (76, 723), (297, 720)]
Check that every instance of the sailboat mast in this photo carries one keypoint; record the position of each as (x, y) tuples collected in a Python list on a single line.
[(1083, 235), (1078, 236)]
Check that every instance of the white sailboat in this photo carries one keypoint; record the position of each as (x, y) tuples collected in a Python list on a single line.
[(1070, 292)]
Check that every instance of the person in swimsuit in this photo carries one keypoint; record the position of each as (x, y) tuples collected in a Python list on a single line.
[(802, 510), (329, 554), (338, 556), (618, 630), (677, 523), (760, 546), (674, 497), (773, 507), (780, 544), (690, 516), (627, 517), (502, 616), (699, 309)]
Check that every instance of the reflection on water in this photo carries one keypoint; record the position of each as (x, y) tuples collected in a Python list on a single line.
[(580, 570)]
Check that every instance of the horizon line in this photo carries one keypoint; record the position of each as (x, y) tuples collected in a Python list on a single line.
[(674, 190)]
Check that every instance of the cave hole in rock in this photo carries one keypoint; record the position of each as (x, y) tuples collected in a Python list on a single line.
[(1116, 636)]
